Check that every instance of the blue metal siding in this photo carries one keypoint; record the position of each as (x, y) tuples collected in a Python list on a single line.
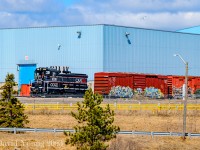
[(7, 54), (82, 55), (150, 51), (195, 30)]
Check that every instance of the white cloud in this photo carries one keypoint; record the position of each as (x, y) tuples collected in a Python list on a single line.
[(144, 5), (158, 4), (18, 6), (156, 14), (9, 20), (158, 20)]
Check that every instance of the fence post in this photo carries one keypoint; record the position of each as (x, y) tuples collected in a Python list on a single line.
[(159, 108), (33, 106), (140, 106), (169, 108), (15, 130), (57, 105), (130, 107), (115, 104), (63, 106), (189, 134), (152, 135)]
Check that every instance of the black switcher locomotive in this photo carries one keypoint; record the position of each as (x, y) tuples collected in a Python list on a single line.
[(58, 80)]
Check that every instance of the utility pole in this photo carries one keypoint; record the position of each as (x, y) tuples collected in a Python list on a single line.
[(185, 96), (185, 100)]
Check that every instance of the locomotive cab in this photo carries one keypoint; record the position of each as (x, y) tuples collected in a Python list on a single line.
[(45, 73)]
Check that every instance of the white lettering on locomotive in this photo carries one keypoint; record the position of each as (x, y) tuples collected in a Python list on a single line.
[(47, 72), (53, 84), (78, 80)]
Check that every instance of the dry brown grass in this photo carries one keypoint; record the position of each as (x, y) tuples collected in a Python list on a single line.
[(33, 141), (127, 120), (129, 142), (56, 141)]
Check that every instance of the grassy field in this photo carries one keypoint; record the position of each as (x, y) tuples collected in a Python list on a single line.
[(55, 141), (127, 120), (137, 121)]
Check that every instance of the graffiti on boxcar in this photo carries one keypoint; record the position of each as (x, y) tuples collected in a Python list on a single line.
[(153, 92), (177, 93), (121, 91), (138, 91)]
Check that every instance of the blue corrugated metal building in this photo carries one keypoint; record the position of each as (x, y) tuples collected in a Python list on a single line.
[(96, 48)]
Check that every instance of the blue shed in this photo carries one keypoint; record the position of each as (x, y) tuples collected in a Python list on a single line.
[(26, 73)]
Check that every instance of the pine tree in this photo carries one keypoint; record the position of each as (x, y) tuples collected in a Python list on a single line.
[(95, 124), (11, 109)]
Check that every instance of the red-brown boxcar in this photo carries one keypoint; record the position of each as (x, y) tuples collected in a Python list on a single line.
[(175, 84), (169, 85), (157, 81), (103, 81)]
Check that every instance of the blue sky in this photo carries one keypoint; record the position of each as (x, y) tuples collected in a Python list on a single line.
[(154, 14)]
